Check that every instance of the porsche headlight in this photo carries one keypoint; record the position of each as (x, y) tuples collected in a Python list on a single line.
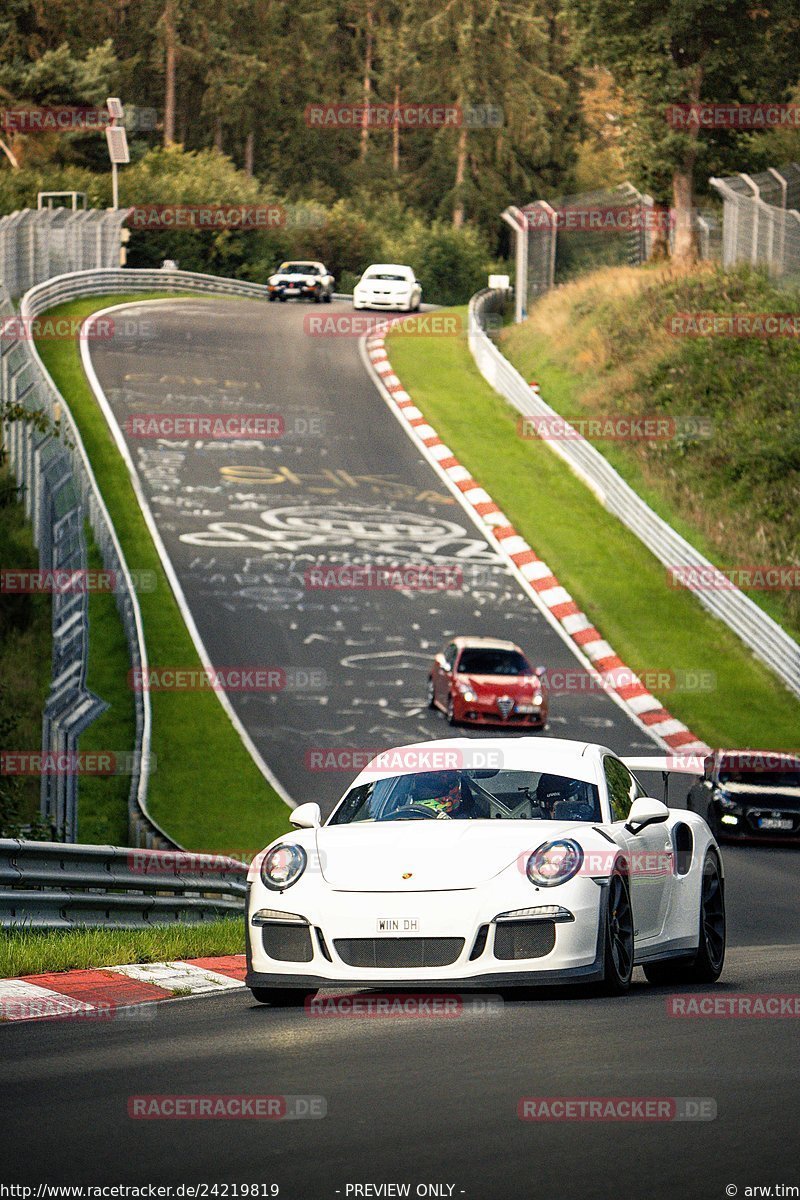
[(282, 866), (554, 863)]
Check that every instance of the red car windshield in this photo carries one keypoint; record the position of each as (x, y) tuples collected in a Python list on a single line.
[(486, 661)]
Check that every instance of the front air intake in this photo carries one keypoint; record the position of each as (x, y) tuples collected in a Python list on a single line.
[(288, 943), (398, 953), (524, 939)]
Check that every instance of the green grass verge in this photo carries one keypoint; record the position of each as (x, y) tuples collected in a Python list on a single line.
[(612, 577), (206, 790), (33, 952), (102, 800)]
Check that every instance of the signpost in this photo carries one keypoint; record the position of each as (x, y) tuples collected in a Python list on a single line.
[(117, 141)]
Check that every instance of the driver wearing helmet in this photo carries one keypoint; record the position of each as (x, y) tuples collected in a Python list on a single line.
[(442, 793), (563, 799)]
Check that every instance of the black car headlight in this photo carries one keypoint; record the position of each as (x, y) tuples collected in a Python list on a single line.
[(282, 866), (728, 805), (554, 863)]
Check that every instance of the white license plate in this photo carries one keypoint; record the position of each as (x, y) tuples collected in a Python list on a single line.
[(397, 925), (775, 823)]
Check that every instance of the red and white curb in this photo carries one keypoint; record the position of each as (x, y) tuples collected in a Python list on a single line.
[(617, 679), (101, 994)]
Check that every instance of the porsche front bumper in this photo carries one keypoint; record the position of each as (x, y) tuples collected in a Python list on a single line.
[(459, 930)]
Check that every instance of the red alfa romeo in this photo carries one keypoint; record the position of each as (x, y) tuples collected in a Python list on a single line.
[(483, 681)]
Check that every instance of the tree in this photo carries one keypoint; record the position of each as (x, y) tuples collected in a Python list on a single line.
[(56, 77), (493, 59), (665, 53)]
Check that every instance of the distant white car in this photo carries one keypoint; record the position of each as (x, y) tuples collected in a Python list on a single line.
[(529, 861), (388, 286), (305, 280)]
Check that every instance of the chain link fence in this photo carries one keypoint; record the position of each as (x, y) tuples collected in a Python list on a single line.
[(559, 240), (761, 220), (37, 244), (621, 226)]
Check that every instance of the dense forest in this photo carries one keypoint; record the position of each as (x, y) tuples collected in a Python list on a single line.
[(553, 96)]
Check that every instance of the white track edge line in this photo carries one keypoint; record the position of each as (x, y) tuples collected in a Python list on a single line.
[(166, 562)]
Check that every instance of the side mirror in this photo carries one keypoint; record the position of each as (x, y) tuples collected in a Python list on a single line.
[(306, 816), (540, 671), (646, 811)]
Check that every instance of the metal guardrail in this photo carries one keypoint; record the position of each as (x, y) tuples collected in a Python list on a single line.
[(763, 636), (50, 885), (61, 493)]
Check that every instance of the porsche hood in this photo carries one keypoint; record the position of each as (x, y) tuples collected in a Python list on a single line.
[(430, 855)]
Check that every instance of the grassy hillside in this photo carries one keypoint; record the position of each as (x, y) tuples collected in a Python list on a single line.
[(602, 346)]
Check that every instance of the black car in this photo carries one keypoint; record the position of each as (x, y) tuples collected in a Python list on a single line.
[(750, 796)]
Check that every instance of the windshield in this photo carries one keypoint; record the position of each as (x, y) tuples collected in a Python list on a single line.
[(493, 662), (784, 779), (474, 795), (297, 269), (390, 278)]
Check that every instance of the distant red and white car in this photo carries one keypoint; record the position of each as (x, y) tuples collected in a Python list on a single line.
[(485, 681)]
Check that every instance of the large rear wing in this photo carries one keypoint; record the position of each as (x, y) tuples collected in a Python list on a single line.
[(671, 764)]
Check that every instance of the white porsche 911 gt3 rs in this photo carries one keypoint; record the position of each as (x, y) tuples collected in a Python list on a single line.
[(487, 862)]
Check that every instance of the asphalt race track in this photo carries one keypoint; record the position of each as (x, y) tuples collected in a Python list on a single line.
[(243, 522), (409, 1101)]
